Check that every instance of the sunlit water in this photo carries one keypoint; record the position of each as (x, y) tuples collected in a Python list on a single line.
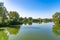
[(35, 31)]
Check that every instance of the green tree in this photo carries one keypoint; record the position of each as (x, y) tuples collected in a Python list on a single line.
[(3, 13), (56, 17), (40, 20), (30, 19), (25, 20), (21, 20), (13, 16)]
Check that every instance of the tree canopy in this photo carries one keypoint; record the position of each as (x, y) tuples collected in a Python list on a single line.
[(56, 17)]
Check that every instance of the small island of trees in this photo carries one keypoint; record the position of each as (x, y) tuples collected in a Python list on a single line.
[(13, 18)]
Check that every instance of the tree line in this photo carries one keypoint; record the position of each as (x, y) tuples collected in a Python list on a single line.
[(13, 17)]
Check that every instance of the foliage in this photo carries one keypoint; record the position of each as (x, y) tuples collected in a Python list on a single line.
[(56, 29), (56, 17), (30, 19), (47, 20), (3, 13), (13, 16)]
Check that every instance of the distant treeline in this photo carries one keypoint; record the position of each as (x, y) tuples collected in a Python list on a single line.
[(36, 20)]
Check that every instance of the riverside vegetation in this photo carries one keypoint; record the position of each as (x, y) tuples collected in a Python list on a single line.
[(13, 18)]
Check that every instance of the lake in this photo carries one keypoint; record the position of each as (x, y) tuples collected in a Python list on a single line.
[(43, 31)]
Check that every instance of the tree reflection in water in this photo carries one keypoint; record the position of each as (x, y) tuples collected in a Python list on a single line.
[(56, 29), (30, 23), (3, 35), (12, 30)]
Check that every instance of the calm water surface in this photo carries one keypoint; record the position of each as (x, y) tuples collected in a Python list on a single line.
[(44, 31)]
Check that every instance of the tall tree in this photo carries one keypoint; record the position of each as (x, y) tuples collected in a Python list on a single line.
[(13, 16), (3, 13), (30, 19), (56, 17)]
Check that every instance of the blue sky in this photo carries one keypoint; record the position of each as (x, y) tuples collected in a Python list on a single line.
[(33, 8)]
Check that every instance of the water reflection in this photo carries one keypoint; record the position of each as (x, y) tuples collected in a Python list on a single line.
[(56, 29), (3, 35), (11, 30), (30, 33), (25, 23), (30, 23)]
